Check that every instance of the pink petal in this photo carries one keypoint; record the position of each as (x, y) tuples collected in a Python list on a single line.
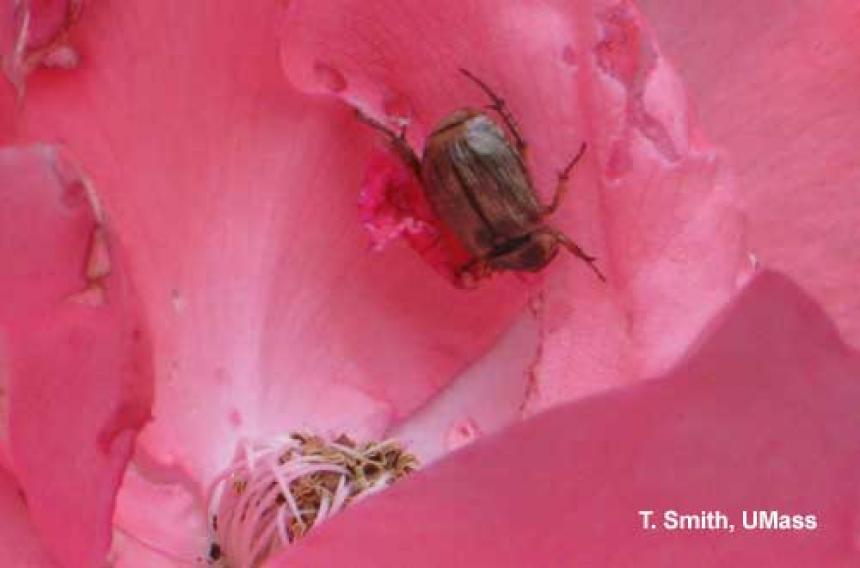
[(652, 200), (775, 83), (18, 540), (129, 553), (485, 398), (761, 416), (237, 201), (77, 364), (160, 514), (33, 33)]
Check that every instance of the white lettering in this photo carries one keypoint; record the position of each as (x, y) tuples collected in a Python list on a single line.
[(646, 518)]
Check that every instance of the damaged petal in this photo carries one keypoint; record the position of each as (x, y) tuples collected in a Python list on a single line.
[(98, 262), (94, 366), (63, 57), (98, 267), (92, 296), (40, 29), (392, 206), (462, 433), (75, 183), (79, 191)]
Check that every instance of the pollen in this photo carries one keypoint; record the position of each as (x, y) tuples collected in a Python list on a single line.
[(274, 493)]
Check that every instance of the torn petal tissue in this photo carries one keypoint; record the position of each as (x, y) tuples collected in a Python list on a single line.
[(392, 205), (78, 374), (774, 83), (35, 32)]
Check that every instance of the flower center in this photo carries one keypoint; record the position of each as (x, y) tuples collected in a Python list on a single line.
[(273, 493)]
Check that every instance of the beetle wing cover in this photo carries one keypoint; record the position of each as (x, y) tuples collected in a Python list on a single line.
[(479, 185)]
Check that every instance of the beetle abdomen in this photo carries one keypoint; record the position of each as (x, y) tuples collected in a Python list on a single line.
[(477, 183)]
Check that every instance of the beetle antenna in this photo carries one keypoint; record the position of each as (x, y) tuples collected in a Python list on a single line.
[(566, 171), (497, 100)]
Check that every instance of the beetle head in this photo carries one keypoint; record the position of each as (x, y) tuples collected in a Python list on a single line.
[(529, 253)]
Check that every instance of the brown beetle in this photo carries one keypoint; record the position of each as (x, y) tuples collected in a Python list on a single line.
[(479, 185)]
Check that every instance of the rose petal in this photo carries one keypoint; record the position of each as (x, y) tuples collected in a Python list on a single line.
[(77, 364), (651, 198), (236, 198), (18, 540), (129, 553), (160, 512), (775, 83), (485, 398), (34, 33), (761, 416)]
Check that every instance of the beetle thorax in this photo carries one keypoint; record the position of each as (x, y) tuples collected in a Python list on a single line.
[(483, 135)]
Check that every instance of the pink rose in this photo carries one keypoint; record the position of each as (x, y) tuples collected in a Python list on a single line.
[(178, 214)]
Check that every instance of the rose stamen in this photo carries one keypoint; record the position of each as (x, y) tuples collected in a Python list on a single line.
[(273, 493)]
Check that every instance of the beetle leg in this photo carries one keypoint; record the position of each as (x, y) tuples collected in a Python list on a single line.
[(498, 105), (562, 185), (577, 251), (476, 269), (397, 141)]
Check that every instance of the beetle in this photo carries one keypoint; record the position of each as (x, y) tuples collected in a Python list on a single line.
[(479, 185)]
